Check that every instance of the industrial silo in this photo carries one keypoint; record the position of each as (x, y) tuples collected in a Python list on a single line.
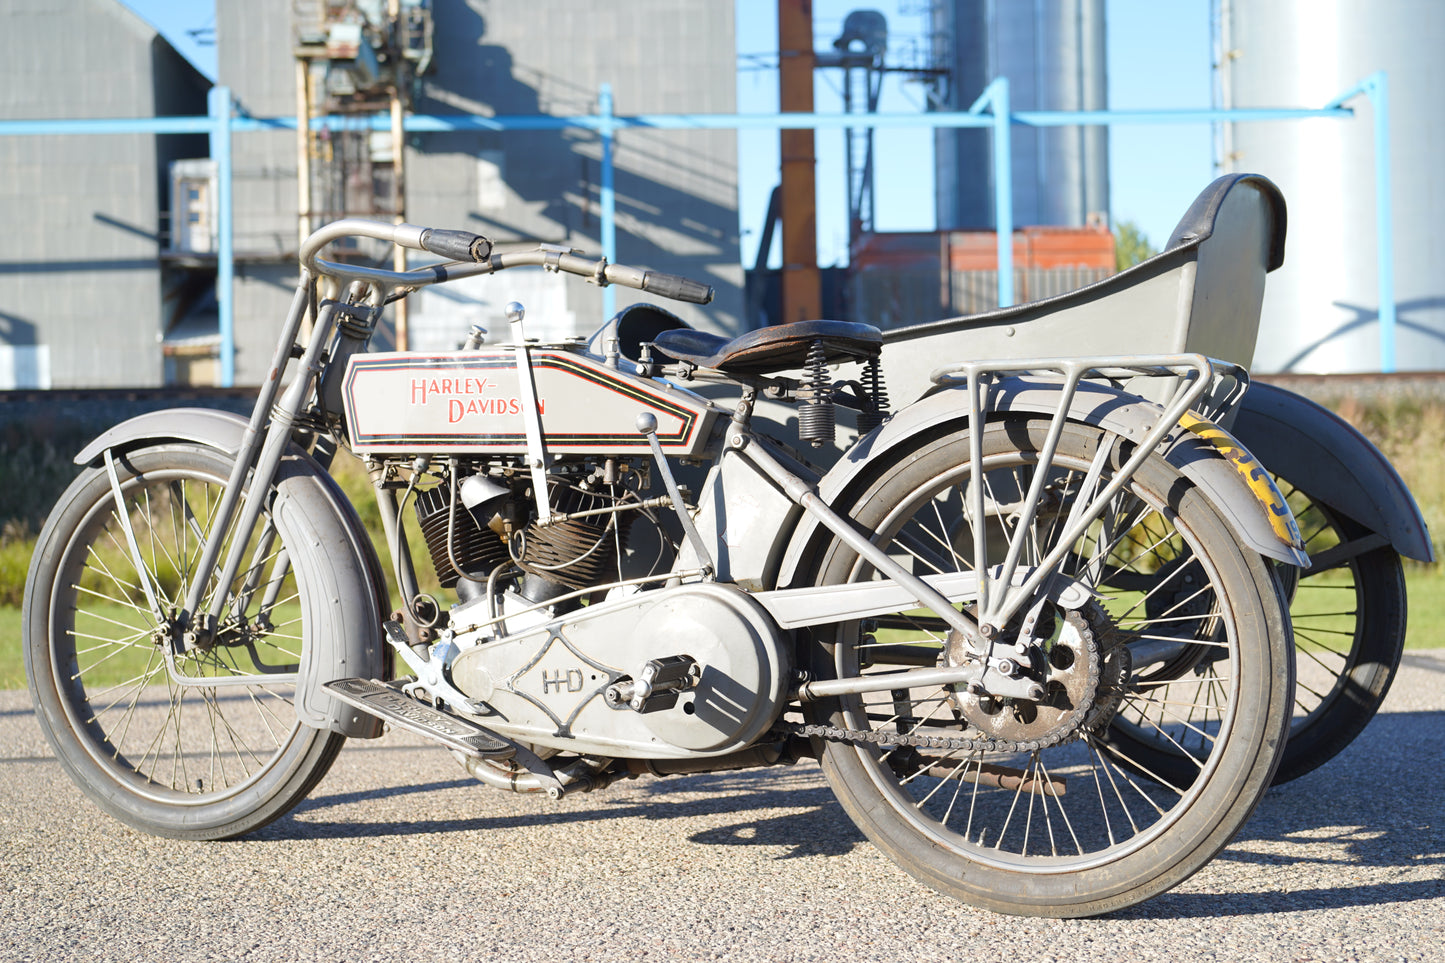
[(1052, 52), (1321, 310)]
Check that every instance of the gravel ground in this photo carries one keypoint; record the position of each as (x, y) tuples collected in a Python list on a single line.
[(399, 855)]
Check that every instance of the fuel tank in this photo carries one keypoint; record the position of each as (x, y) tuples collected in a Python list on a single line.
[(469, 401)]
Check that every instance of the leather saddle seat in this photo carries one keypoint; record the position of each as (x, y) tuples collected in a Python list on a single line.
[(780, 347)]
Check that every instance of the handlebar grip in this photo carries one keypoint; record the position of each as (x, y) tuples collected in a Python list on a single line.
[(456, 245), (676, 287)]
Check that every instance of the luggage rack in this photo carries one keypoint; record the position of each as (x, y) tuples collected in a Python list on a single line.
[(1193, 376)]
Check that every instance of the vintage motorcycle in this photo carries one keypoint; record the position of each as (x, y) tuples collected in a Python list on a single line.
[(1203, 294), (1029, 623)]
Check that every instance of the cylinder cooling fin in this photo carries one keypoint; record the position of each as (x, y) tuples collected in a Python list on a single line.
[(475, 547), (575, 552)]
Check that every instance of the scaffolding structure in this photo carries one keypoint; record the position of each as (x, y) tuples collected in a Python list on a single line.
[(991, 110)]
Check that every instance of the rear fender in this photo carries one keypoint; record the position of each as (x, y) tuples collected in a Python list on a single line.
[(1252, 513), (1318, 451), (341, 571)]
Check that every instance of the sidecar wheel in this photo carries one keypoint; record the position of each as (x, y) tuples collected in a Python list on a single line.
[(1349, 635), (212, 749), (1032, 808)]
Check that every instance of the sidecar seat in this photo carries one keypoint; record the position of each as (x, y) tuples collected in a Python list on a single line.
[(1201, 294)]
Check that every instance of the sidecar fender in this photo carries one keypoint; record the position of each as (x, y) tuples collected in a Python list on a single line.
[(343, 574), (1248, 512), (1318, 451)]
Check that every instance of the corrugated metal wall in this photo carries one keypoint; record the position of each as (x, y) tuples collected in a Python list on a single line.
[(81, 283), (1052, 52), (676, 191), (1321, 309), (80, 277)]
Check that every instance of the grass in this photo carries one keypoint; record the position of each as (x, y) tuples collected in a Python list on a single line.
[(111, 664), (12, 655), (1426, 592)]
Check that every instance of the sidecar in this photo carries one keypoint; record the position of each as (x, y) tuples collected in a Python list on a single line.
[(1203, 294)]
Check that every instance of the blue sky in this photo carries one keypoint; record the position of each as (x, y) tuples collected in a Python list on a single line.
[(1159, 57)]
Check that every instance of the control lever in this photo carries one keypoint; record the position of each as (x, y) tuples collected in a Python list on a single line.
[(647, 425)]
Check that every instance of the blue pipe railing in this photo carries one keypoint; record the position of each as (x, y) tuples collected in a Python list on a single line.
[(991, 110)]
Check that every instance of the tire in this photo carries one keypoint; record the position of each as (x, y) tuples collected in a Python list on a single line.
[(1349, 633), (1043, 814), (187, 761)]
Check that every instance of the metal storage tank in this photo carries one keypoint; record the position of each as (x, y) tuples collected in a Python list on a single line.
[(1052, 52), (1321, 310)]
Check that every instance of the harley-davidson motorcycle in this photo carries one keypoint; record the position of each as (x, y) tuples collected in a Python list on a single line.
[(1030, 624)]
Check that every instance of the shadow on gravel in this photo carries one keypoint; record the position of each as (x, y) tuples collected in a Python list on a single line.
[(819, 829), (346, 798), (1217, 905), (1376, 805)]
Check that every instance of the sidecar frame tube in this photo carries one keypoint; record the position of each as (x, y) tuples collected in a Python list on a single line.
[(754, 450), (1099, 405)]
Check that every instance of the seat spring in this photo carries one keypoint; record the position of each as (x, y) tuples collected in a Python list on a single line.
[(815, 413), (873, 385)]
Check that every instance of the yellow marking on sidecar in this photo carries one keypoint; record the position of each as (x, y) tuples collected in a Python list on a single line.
[(1281, 519)]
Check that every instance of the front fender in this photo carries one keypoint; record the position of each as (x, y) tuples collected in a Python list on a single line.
[(1318, 451), (1252, 516), (221, 430), (346, 592)]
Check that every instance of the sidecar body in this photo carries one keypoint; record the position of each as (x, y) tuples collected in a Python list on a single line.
[(1203, 294)]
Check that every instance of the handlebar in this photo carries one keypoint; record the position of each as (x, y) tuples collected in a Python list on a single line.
[(456, 245), (477, 257)]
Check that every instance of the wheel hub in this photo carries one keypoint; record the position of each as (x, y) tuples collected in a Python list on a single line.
[(1082, 665)]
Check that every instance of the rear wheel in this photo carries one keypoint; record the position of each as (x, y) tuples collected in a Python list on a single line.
[(1161, 722), (205, 745)]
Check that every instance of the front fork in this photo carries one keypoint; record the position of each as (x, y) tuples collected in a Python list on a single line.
[(263, 445)]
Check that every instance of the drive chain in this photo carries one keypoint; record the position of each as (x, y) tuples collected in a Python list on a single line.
[(871, 737), (1077, 722)]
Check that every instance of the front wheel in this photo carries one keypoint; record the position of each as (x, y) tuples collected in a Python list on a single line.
[(1039, 808), (204, 744)]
